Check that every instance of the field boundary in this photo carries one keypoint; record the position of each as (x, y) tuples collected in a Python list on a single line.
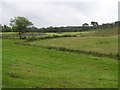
[(33, 37), (49, 37)]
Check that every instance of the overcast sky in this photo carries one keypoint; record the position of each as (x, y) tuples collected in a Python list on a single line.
[(44, 13)]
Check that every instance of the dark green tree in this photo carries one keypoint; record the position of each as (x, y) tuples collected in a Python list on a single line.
[(94, 23), (6, 28), (20, 24), (85, 25)]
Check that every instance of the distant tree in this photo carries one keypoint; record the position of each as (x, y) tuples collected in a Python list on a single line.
[(33, 29), (94, 23), (6, 28), (0, 27), (21, 24), (61, 29), (49, 29), (85, 25), (56, 29), (117, 23), (14, 29)]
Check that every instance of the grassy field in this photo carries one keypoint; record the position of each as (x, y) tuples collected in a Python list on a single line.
[(98, 44), (98, 40), (8, 33), (101, 32), (0, 64), (37, 67), (26, 66)]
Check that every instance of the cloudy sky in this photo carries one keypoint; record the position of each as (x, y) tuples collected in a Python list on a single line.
[(44, 13)]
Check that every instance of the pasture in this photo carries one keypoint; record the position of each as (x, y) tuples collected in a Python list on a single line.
[(97, 44), (27, 66)]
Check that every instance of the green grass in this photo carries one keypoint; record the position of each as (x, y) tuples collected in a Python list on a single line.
[(0, 64), (32, 67), (103, 40), (64, 33), (26, 66), (97, 44), (8, 33), (101, 32)]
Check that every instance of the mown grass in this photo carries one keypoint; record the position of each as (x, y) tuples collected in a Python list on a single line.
[(26, 66)]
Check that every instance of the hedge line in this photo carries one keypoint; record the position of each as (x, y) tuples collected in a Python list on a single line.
[(110, 55)]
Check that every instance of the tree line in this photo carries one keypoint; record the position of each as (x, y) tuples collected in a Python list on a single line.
[(22, 24)]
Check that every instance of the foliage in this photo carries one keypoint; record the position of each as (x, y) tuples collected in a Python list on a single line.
[(84, 27), (6, 28), (20, 24), (94, 23)]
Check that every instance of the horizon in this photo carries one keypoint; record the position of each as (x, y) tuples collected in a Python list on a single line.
[(67, 25)]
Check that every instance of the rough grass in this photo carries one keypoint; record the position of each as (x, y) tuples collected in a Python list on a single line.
[(64, 33), (101, 32), (102, 40), (105, 45), (6, 33), (25, 66)]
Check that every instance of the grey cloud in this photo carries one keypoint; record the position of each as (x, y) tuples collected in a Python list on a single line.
[(83, 7), (60, 13)]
